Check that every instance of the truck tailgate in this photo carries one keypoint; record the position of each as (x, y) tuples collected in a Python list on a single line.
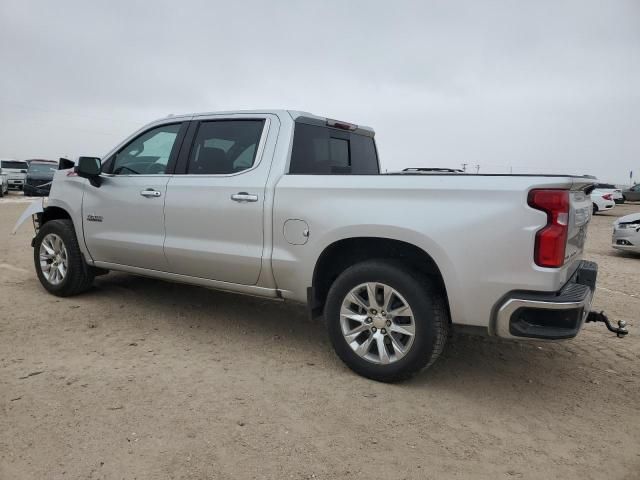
[(579, 216)]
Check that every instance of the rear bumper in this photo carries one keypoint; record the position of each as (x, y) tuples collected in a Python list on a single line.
[(549, 316), (625, 239)]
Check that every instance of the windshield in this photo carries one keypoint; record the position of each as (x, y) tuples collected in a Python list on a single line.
[(12, 164), (42, 168)]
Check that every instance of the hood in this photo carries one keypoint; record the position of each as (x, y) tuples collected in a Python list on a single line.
[(633, 218)]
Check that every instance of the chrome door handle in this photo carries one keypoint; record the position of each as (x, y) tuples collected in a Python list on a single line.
[(244, 197), (150, 192)]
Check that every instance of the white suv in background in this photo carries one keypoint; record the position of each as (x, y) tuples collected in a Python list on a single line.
[(16, 172)]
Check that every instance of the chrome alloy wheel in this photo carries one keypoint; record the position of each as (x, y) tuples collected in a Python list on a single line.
[(377, 323), (54, 260)]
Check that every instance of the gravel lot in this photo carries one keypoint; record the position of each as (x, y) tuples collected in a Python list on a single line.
[(144, 379)]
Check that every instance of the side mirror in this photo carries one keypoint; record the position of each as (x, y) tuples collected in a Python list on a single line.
[(89, 167)]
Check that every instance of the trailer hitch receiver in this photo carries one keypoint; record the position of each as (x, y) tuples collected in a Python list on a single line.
[(620, 330)]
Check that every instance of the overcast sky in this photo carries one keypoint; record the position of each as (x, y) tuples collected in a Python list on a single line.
[(529, 86)]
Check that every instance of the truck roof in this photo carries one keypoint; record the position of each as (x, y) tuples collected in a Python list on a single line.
[(295, 114)]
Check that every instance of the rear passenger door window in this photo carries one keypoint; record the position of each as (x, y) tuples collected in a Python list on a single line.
[(223, 147)]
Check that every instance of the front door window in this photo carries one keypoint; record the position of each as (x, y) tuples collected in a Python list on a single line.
[(148, 154)]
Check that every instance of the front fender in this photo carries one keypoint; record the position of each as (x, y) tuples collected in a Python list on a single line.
[(35, 207)]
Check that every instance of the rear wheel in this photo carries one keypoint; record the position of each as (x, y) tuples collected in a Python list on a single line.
[(58, 260), (385, 321)]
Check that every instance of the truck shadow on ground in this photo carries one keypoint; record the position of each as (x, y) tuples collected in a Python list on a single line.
[(479, 363), (466, 356)]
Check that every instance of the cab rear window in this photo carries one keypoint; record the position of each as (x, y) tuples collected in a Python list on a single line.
[(321, 150)]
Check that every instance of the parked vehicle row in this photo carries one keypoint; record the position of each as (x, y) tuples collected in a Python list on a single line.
[(32, 177)]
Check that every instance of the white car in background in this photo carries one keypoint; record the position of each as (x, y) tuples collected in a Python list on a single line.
[(626, 233), (602, 200), (615, 192)]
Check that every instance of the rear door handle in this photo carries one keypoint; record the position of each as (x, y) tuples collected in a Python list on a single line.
[(244, 197), (150, 192)]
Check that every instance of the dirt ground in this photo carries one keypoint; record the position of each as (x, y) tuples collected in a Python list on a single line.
[(144, 379)]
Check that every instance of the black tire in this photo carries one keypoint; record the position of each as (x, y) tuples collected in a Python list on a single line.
[(79, 276), (595, 209), (426, 300)]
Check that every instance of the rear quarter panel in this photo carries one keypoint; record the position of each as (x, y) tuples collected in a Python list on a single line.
[(479, 230)]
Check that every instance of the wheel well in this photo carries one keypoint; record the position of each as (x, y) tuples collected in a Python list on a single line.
[(54, 213), (340, 255)]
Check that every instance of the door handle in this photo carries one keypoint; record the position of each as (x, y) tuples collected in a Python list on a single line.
[(150, 192), (244, 197)]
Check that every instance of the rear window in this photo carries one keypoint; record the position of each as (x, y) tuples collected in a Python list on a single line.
[(328, 151), (12, 164), (605, 185)]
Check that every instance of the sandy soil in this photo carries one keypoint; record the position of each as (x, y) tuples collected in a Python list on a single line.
[(144, 379)]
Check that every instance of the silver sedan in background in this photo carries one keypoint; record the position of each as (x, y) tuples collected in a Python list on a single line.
[(626, 233)]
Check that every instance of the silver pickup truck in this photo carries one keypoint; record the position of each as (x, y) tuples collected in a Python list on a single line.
[(289, 205)]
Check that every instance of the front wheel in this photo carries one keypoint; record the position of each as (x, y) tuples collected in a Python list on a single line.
[(59, 263), (385, 321)]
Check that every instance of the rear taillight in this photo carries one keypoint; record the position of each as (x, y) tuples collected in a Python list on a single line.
[(607, 196), (551, 240)]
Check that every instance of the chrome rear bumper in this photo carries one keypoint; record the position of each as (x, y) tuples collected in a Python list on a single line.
[(548, 316)]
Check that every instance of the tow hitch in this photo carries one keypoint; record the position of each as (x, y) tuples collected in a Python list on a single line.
[(620, 330)]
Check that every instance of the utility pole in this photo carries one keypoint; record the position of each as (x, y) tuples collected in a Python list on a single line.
[(477, 168), (464, 167)]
